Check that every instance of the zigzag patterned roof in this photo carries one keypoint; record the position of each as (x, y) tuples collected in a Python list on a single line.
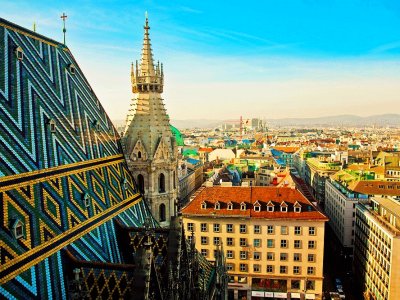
[(62, 171)]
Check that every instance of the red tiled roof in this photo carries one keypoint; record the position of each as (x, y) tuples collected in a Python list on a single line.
[(376, 187), (249, 195), (287, 149), (206, 149)]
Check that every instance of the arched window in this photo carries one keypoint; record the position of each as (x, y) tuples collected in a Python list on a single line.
[(161, 183), (140, 182), (162, 212), (139, 154)]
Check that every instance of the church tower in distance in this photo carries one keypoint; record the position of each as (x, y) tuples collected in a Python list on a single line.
[(150, 148)]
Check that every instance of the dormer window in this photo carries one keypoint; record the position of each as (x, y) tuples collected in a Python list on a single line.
[(18, 229), (52, 126), (230, 206), (242, 206), (71, 69), (86, 199), (203, 205), (96, 125), (284, 207), (125, 184), (297, 207), (257, 206), (270, 206), (19, 53), (217, 206)]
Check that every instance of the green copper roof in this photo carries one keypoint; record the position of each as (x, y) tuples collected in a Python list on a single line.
[(177, 134), (190, 152)]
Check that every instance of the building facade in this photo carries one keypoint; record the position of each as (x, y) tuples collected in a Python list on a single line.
[(377, 248), (273, 239), (345, 189), (317, 170), (190, 174), (149, 145), (340, 207)]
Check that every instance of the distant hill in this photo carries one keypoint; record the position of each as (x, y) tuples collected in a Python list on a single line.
[(339, 120)]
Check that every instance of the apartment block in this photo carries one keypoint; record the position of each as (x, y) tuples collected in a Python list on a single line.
[(273, 239), (377, 248)]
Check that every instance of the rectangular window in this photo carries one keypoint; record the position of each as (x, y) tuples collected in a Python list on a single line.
[(296, 270), (311, 244), (257, 229), (270, 268), (297, 230), (310, 270), (270, 255), (297, 244), (311, 231), (229, 228), (204, 252), (270, 243), (257, 256), (296, 256), (203, 227), (216, 240), (283, 256), (229, 241), (283, 243), (242, 279), (270, 229), (284, 230), (256, 268), (216, 227), (283, 269), (310, 285), (204, 240), (311, 258), (243, 254), (229, 254), (243, 228), (230, 267), (243, 267), (295, 284), (190, 238), (190, 227), (243, 242), (257, 243)]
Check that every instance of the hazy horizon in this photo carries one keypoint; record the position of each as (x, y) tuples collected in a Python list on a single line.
[(269, 60)]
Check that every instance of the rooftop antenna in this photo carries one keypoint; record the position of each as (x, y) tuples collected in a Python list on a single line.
[(63, 17), (34, 26)]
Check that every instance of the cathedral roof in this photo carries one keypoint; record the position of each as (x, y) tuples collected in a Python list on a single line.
[(62, 169)]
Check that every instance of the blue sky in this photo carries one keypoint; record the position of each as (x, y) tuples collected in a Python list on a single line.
[(223, 59)]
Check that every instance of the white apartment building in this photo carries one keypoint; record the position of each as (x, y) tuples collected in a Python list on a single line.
[(377, 248), (340, 206)]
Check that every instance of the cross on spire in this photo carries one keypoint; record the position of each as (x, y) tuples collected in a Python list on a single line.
[(63, 17), (147, 65)]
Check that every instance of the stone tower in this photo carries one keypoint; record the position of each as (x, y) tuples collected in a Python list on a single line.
[(150, 147)]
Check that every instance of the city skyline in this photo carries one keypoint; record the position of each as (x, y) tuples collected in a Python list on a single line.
[(268, 60)]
